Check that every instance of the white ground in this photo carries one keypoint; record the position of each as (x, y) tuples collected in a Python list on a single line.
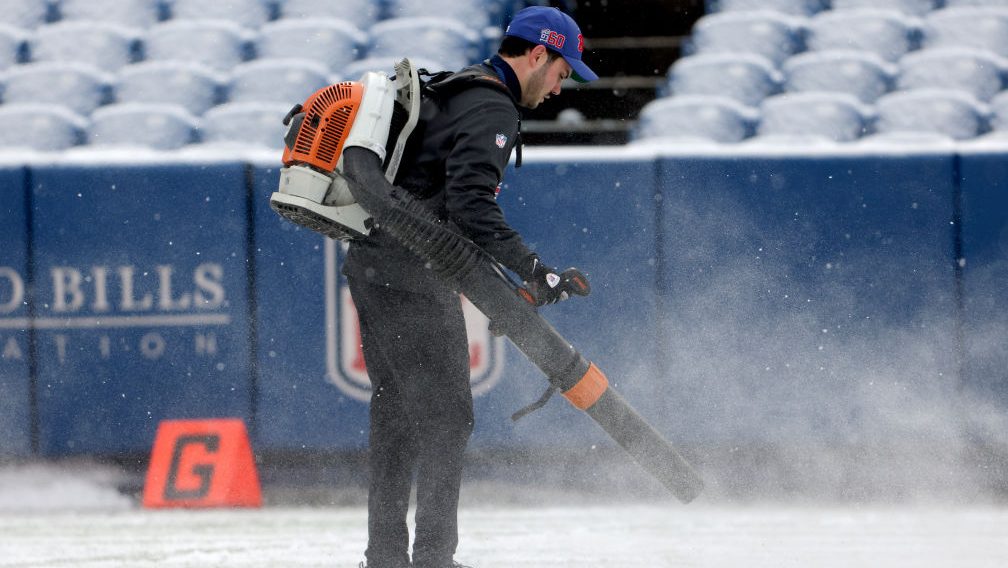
[(75, 517)]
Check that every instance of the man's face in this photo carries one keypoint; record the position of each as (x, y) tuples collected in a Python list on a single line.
[(545, 81)]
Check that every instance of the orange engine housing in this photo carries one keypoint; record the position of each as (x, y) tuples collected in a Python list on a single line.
[(328, 115)]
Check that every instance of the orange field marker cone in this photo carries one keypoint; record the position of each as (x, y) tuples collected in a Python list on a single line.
[(202, 463)]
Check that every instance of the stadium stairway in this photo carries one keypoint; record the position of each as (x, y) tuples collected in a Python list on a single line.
[(631, 50)]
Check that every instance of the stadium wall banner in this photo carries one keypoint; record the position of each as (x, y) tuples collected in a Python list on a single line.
[(15, 346), (734, 298), (141, 303)]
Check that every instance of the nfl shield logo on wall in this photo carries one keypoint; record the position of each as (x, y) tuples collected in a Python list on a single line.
[(345, 359)]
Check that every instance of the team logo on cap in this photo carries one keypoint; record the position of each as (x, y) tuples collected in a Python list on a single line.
[(550, 37)]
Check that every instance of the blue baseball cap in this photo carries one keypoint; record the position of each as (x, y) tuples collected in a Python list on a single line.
[(555, 30)]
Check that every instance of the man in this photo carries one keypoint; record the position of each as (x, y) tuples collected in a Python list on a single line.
[(412, 330)]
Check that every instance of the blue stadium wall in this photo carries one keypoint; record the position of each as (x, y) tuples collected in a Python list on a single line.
[(735, 298)]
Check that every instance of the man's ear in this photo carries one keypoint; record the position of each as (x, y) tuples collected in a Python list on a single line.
[(537, 56)]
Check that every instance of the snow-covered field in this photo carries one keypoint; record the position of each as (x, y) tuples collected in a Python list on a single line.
[(76, 517)]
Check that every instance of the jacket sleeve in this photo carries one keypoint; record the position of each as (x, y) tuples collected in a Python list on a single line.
[(486, 134)]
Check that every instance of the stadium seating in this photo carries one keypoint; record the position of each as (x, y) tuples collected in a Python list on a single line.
[(39, 127), (909, 7), (217, 44), (859, 73), (255, 124), (977, 27), (361, 13), (150, 125), (696, 117), (26, 14), (948, 113), (76, 86), (770, 34), (977, 72), (333, 43), (12, 44), (439, 39), (190, 85), (745, 78), (246, 13), (105, 46), (475, 13), (837, 117), (791, 7), (285, 81), (885, 33), (133, 13)]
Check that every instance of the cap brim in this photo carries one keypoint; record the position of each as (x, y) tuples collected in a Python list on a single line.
[(581, 72)]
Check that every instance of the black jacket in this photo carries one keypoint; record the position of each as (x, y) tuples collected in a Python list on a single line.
[(468, 126)]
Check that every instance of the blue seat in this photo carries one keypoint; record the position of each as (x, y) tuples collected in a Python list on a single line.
[(952, 114), (769, 34), (285, 81), (193, 86), (885, 33), (26, 14), (361, 13), (106, 46), (745, 78), (149, 125), (333, 43), (837, 117), (909, 7), (134, 13), (797, 7), (216, 44), (976, 27), (246, 13), (40, 127), (440, 39), (980, 73), (710, 118), (859, 73), (246, 124), (77, 86), (12, 45)]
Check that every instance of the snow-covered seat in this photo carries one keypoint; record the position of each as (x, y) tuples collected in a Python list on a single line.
[(286, 81), (333, 43), (909, 7), (217, 44), (361, 13), (770, 34), (980, 73), (953, 114), (859, 73), (247, 124), (40, 127), (475, 13), (713, 118), (839, 117), (885, 33), (190, 85), (25, 14), (106, 46), (798, 7), (76, 86), (743, 77), (133, 13), (976, 27), (440, 39), (150, 125), (246, 13)]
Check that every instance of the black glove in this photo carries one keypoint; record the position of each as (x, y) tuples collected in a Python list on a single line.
[(548, 286)]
